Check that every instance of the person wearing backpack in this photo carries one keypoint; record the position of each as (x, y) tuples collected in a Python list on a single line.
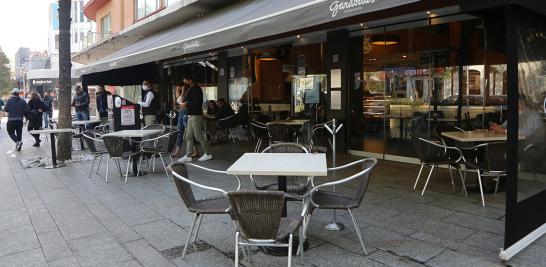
[(16, 107)]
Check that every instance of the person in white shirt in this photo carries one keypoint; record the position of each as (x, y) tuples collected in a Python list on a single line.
[(148, 103)]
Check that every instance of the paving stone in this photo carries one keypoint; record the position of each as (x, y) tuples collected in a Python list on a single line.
[(405, 206), (131, 211), (17, 239), (162, 235), (64, 262), (434, 227), (82, 226), (328, 255), (486, 241), (41, 219), (414, 249), (476, 222), (178, 215), (466, 206), (99, 250), (145, 254), (14, 218), (534, 253), (113, 223), (54, 246), (209, 257), (34, 258), (392, 260), (450, 258)]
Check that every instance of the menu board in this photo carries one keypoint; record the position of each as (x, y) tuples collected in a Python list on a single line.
[(335, 78), (335, 100), (128, 115)]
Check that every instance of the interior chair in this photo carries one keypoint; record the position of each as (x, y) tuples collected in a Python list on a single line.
[(319, 198), (229, 124), (115, 147), (218, 204), (432, 154), (293, 187), (493, 163), (159, 146), (280, 133), (260, 132), (96, 147), (258, 215)]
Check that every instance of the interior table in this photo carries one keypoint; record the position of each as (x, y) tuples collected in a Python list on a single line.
[(136, 135), (289, 122), (280, 165), (52, 133), (475, 136)]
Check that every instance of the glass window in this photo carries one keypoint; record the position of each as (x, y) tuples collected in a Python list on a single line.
[(106, 25), (146, 7), (82, 16), (56, 42)]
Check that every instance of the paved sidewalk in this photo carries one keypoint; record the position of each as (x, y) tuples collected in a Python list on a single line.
[(61, 217)]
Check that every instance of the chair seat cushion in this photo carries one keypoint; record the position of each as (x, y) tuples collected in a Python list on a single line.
[(288, 226), (293, 188), (333, 200), (217, 205)]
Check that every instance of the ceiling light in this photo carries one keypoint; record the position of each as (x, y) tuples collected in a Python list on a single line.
[(361, 24), (428, 12), (404, 56), (298, 36), (385, 40)]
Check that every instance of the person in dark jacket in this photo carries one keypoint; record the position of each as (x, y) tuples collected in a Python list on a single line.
[(194, 103), (81, 103), (102, 103), (35, 115), (224, 110), (48, 113), (212, 108), (16, 107)]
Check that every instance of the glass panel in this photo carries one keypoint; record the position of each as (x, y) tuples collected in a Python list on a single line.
[(532, 105), (141, 8), (239, 83)]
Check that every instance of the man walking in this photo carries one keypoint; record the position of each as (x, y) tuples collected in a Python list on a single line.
[(16, 109), (194, 103), (81, 103), (48, 113), (102, 103), (1, 111), (149, 103)]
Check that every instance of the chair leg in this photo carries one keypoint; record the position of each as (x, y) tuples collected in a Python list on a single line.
[(118, 164), (418, 175), (300, 247), (107, 163), (189, 236), (481, 187), (139, 165), (98, 167), (358, 233), (451, 175), (462, 182), (236, 249), (428, 179), (92, 165), (497, 184), (290, 250), (164, 166), (197, 229), (127, 171)]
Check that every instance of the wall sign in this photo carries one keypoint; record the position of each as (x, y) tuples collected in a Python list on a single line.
[(127, 115), (335, 100), (335, 78)]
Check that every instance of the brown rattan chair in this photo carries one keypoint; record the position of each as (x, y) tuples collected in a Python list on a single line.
[(260, 223), (159, 146), (213, 205), (317, 198), (115, 147), (295, 187), (96, 147)]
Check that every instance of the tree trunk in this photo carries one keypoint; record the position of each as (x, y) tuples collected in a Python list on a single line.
[(64, 151)]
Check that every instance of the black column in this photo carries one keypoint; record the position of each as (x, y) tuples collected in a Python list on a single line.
[(337, 57)]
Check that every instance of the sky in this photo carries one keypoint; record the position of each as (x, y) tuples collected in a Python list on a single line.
[(24, 23)]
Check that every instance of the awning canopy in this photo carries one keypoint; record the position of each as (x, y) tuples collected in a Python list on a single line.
[(245, 21)]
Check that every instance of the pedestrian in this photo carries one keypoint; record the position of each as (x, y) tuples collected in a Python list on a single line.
[(81, 103), (1, 112), (35, 115), (16, 107), (194, 103), (148, 103), (102, 103), (48, 113)]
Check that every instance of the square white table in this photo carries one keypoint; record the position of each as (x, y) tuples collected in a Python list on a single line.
[(475, 136), (52, 132)]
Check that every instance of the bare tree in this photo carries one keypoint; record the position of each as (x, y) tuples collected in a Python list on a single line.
[(65, 84)]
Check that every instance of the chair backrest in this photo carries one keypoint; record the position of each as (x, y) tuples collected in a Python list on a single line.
[(258, 213), (285, 148), (184, 188), (114, 145), (227, 123), (280, 132), (155, 127), (364, 178), (259, 130), (424, 150), (91, 141), (495, 156)]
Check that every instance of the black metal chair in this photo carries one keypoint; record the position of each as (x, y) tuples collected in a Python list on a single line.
[(492, 164), (318, 198), (293, 187), (258, 215), (161, 145), (96, 147), (218, 204), (229, 124), (280, 133), (260, 132), (115, 147), (432, 154)]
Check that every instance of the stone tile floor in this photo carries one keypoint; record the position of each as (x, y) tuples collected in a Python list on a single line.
[(61, 217)]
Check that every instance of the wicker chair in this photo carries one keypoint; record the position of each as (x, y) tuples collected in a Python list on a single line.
[(260, 132), (199, 207), (115, 147), (260, 223), (161, 145), (295, 187), (97, 148), (321, 199), (492, 165)]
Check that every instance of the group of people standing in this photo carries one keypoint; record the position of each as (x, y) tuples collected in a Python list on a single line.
[(37, 112)]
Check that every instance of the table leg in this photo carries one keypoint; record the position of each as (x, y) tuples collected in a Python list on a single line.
[(53, 154), (281, 182)]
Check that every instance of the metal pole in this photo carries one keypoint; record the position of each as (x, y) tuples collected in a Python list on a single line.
[(334, 225)]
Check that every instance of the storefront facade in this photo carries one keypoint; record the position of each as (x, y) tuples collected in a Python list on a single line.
[(386, 69)]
